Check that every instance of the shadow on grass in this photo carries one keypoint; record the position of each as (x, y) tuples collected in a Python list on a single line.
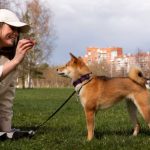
[(145, 132), (97, 134), (100, 134)]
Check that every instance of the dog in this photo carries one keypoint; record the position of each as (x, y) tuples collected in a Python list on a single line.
[(100, 92)]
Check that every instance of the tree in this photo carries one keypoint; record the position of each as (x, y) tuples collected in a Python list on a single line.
[(102, 69), (40, 19)]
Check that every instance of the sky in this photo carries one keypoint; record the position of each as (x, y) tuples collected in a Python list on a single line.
[(99, 23)]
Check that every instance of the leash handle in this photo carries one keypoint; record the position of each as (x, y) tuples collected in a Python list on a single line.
[(39, 126)]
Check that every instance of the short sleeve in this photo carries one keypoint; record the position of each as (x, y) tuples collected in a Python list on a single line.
[(1, 70)]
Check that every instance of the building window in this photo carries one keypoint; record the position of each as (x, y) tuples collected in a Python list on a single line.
[(113, 54), (89, 53)]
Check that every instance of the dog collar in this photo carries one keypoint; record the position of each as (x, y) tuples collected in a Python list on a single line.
[(82, 79)]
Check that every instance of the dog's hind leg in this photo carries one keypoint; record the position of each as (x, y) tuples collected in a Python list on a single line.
[(132, 109), (90, 116)]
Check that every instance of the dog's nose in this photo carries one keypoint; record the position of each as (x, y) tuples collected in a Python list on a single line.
[(57, 69)]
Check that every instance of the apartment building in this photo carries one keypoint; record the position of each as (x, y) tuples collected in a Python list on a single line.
[(115, 57), (94, 54)]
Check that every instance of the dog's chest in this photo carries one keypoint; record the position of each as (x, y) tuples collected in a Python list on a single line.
[(82, 98)]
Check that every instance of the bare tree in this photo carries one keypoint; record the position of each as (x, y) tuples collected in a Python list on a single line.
[(40, 19), (102, 69)]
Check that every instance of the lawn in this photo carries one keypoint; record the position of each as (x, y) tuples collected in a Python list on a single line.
[(67, 130)]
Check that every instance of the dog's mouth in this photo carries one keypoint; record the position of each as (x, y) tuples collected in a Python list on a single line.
[(62, 74)]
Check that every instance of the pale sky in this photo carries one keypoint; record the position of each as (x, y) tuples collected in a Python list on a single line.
[(99, 23)]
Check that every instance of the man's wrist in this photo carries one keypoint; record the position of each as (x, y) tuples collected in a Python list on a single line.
[(15, 62)]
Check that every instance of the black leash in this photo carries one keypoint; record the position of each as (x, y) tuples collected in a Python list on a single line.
[(31, 133), (39, 126)]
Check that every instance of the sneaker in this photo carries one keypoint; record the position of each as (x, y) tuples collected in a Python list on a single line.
[(17, 134)]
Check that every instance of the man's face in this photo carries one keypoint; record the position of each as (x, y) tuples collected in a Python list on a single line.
[(8, 35)]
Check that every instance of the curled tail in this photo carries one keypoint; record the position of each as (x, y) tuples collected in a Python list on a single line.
[(136, 75)]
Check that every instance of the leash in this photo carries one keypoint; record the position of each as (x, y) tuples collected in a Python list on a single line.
[(42, 124), (32, 132)]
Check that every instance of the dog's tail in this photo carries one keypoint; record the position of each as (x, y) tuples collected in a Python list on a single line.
[(136, 75)]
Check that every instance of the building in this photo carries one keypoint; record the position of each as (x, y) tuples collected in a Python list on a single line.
[(98, 55), (118, 61)]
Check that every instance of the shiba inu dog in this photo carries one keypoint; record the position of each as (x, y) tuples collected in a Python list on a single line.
[(100, 92)]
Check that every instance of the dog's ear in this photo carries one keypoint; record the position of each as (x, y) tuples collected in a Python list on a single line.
[(72, 56), (80, 58), (81, 61)]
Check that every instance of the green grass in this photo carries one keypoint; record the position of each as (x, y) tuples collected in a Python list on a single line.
[(67, 130)]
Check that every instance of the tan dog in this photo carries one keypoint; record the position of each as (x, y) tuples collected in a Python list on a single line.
[(99, 92)]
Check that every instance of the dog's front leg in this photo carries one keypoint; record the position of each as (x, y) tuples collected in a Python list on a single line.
[(90, 115)]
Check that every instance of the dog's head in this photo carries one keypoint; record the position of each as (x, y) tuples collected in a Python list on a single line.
[(74, 68)]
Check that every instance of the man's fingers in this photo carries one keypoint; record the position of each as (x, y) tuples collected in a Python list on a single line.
[(24, 42), (25, 50), (29, 46)]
